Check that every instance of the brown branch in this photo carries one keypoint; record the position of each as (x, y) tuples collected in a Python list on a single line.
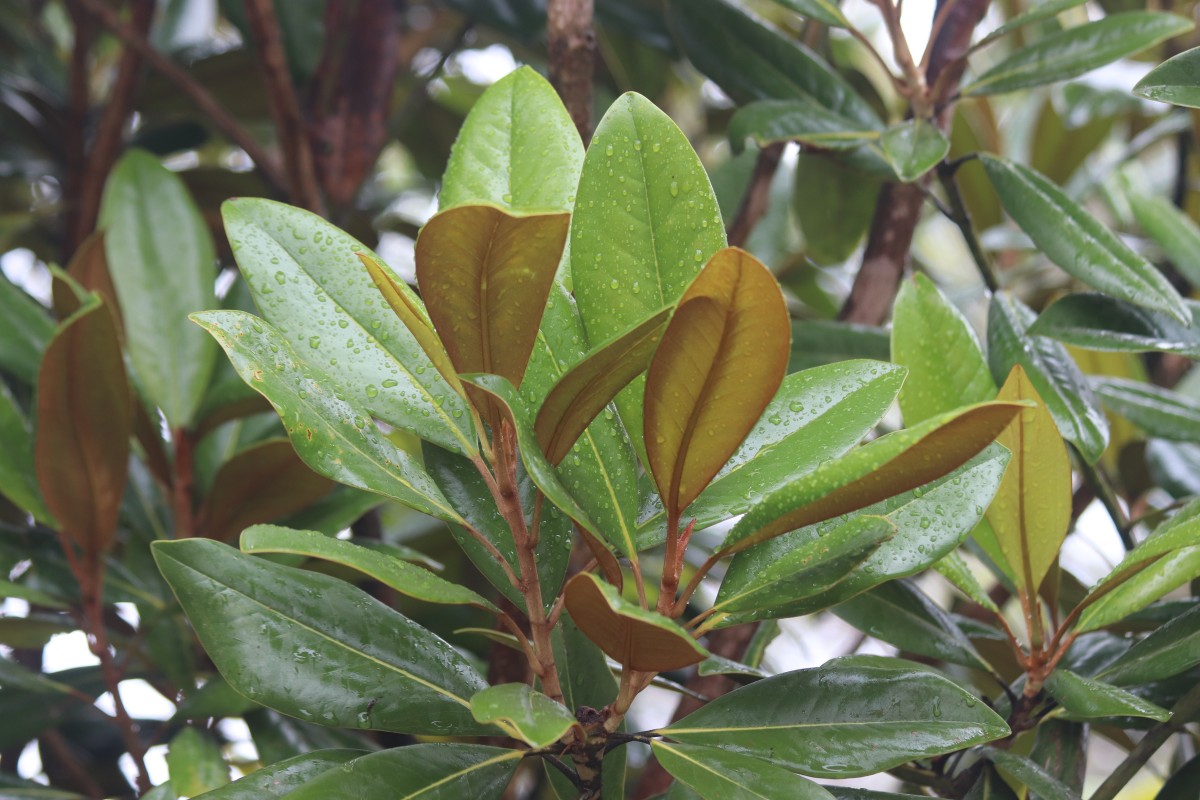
[(572, 45), (285, 108), (79, 106), (758, 193), (200, 97)]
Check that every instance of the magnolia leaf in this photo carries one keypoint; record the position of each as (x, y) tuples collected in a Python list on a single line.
[(826, 11), (280, 778), (1170, 650), (523, 713), (721, 360), (439, 771), (1100, 322), (914, 147), (1171, 228), (18, 476), (1173, 81), (798, 120), (632, 636), (1036, 13), (1085, 698), (195, 763), (717, 774), (1159, 412)]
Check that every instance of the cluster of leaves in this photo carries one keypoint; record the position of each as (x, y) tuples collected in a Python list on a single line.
[(587, 375)]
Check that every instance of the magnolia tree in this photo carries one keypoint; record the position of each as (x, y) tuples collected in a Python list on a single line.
[(597, 398)]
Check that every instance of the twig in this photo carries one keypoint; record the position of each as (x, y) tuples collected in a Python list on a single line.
[(572, 46), (285, 107), (962, 218), (1107, 495), (181, 484), (200, 96), (758, 193)]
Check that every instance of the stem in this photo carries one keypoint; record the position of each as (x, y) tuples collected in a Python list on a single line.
[(1185, 710), (758, 192), (914, 76), (695, 582), (669, 584), (962, 218), (1099, 481), (572, 46), (181, 485)]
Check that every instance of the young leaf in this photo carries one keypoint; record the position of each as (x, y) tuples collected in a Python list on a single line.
[(887, 466), (798, 120), (1172, 649), (392, 674), (440, 771), (954, 569), (1074, 51), (1084, 698), (161, 259), (1159, 412), (1051, 371), (914, 147), (408, 579), (853, 716), (280, 778), (641, 168), (517, 150), (485, 276), (523, 714), (1173, 81), (583, 392), (629, 634), (332, 434), (84, 421), (1172, 229), (1100, 322), (944, 376), (1031, 512), (1078, 242), (717, 774), (721, 360)]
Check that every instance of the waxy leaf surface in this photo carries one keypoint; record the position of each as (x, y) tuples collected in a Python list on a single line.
[(721, 360), (280, 778), (1173, 81), (797, 120), (1167, 651), (914, 147), (1035, 13), (18, 477), (717, 774), (1172, 229), (1085, 698), (523, 713), (1100, 322), (320, 649), (25, 328), (1159, 412)]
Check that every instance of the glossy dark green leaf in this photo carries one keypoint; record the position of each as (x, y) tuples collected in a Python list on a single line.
[(955, 569), (1051, 371), (523, 713), (990, 786), (280, 778), (1173, 81), (1174, 466), (717, 774), (940, 378), (392, 674), (1076, 50), (1171, 229), (333, 433), (25, 328), (1100, 322), (752, 60), (913, 147), (308, 282), (18, 480), (901, 614), (826, 11), (1159, 412), (517, 149), (442, 771), (739, 672), (644, 223), (582, 668), (195, 763), (1060, 747), (1085, 698), (853, 716), (1167, 651), (797, 120), (817, 415), (819, 342), (834, 202), (1182, 784), (1072, 238), (720, 361), (888, 466), (408, 579), (161, 257), (1036, 13), (1030, 774), (84, 421)]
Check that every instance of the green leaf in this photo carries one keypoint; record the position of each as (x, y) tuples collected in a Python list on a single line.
[(392, 674), (163, 265), (641, 168), (834, 202), (523, 714), (25, 328), (1171, 228), (18, 480), (720, 361), (901, 614), (280, 778), (1159, 412), (1036, 13), (942, 377), (990, 786), (1170, 650), (954, 568), (195, 763), (914, 147), (817, 342), (886, 467), (84, 421), (717, 774), (817, 415), (308, 282), (1085, 698), (797, 120), (1182, 784), (1052, 372), (826, 11), (1072, 238), (332, 433), (518, 149), (1074, 51), (442, 771), (1173, 81), (632, 636), (408, 579), (853, 716), (1029, 774), (752, 60), (1100, 322), (582, 668)]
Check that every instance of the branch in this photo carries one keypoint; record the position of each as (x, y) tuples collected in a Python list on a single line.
[(572, 45), (1182, 712), (755, 201), (200, 97), (285, 108)]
